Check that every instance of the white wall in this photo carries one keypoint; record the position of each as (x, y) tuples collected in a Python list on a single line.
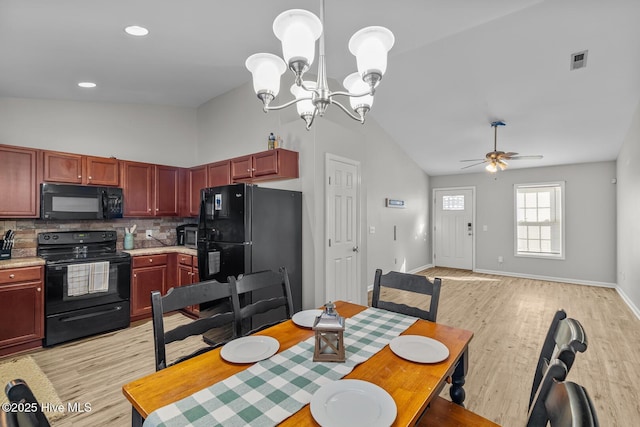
[(233, 124), (628, 175), (590, 221), (155, 134)]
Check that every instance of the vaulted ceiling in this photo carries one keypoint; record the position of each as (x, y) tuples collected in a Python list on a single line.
[(456, 65)]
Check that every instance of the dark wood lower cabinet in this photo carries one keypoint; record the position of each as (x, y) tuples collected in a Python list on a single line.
[(149, 273), (21, 309)]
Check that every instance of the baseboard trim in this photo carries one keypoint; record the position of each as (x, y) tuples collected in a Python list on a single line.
[(548, 278), (627, 300)]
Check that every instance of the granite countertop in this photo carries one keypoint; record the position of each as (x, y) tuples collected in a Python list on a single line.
[(34, 260), (21, 262), (162, 250)]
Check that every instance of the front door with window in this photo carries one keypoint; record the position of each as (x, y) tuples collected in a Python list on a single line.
[(453, 228)]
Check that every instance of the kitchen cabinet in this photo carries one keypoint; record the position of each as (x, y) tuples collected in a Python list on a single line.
[(197, 179), (219, 173), (79, 169), (21, 308), (148, 273), (267, 165), (187, 273), (20, 176), (150, 190)]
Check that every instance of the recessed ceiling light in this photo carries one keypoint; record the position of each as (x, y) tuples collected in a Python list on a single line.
[(136, 30), (87, 84)]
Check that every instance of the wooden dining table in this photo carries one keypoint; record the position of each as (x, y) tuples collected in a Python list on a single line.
[(411, 385)]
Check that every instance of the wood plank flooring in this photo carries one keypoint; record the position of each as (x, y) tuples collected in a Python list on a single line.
[(509, 317)]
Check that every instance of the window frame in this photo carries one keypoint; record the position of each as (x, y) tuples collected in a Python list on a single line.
[(562, 234)]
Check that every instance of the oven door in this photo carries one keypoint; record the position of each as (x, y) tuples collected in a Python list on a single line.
[(88, 283)]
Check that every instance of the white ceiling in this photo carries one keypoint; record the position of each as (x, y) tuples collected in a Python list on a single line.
[(456, 66)]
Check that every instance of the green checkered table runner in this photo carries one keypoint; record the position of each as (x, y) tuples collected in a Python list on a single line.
[(271, 390)]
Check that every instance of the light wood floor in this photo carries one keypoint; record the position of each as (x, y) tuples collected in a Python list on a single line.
[(509, 317)]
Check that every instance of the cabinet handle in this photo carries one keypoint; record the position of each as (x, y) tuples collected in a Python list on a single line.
[(79, 176), (11, 276), (149, 210), (90, 177), (135, 275), (38, 289), (157, 209), (150, 259)]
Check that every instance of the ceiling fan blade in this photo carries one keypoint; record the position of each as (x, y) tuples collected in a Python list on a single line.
[(527, 157), (475, 164), (473, 160), (508, 155)]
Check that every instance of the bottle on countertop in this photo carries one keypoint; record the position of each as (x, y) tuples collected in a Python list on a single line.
[(272, 141)]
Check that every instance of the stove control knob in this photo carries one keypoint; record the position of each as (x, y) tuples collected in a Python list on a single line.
[(46, 237), (55, 237)]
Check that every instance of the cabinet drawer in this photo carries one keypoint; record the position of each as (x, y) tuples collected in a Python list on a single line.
[(185, 259), (149, 260), (23, 274)]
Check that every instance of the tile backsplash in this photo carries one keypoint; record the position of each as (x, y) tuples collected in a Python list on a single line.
[(26, 231)]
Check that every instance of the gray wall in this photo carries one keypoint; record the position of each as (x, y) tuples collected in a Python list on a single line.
[(628, 171), (146, 133), (590, 221)]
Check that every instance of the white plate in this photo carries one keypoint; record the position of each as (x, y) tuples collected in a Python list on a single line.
[(353, 403), (417, 348), (306, 318), (250, 349)]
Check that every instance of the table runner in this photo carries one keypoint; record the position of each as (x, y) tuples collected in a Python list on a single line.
[(271, 390)]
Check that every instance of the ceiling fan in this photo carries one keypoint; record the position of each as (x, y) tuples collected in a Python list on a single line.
[(497, 159)]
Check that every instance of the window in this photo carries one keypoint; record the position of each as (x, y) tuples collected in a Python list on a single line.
[(453, 203), (540, 220)]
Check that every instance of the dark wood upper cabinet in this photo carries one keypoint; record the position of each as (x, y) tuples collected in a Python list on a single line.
[(150, 190), (78, 169), (20, 176), (267, 165), (197, 179), (219, 173)]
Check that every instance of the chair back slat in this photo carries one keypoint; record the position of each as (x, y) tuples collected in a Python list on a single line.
[(18, 391), (410, 283), (183, 297), (275, 292)]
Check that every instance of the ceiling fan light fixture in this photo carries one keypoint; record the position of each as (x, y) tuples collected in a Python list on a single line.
[(491, 167)]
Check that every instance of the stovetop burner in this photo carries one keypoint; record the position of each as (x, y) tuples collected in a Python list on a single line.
[(79, 246)]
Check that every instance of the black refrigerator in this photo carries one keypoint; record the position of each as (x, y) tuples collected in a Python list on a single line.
[(244, 228)]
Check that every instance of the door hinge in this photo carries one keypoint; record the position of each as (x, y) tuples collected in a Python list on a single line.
[(329, 180), (329, 242)]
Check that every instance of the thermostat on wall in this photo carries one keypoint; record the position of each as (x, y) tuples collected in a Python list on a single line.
[(394, 203)]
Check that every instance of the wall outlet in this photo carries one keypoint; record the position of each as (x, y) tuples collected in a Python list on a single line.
[(500, 259), (149, 234)]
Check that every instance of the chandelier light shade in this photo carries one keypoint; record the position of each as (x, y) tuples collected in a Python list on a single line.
[(298, 30), (266, 69)]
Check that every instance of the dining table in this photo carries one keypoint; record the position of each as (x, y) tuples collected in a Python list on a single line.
[(411, 384)]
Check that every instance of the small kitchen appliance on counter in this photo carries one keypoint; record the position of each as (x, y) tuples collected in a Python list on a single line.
[(6, 245), (187, 235)]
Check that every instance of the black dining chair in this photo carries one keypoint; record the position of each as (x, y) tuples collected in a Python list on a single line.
[(563, 332), (410, 283), (262, 299), (183, 297), (18, 392), (560, 403)]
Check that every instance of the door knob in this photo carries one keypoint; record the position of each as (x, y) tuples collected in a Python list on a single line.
[(356, 249)]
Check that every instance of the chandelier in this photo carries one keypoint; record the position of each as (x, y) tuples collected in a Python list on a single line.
[(298, 31)]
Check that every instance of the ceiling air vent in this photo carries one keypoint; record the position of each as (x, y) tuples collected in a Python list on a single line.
[(579, 60)]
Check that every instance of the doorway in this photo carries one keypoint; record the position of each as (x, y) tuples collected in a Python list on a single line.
[(454, 227), (342, 190)]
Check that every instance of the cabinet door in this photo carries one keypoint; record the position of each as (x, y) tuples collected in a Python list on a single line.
[(21, 313), (166, 191), (265, 163), (219, 173), (197, 180), (144, 281), (137, 188), (241, 168), (62, 167), (19, 172), (102, 171)]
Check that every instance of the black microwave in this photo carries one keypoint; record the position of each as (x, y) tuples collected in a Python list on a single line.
[(63, 201), (187, 235)]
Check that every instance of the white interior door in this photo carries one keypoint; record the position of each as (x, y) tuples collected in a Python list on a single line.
[(342, 252), (453, 228)]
